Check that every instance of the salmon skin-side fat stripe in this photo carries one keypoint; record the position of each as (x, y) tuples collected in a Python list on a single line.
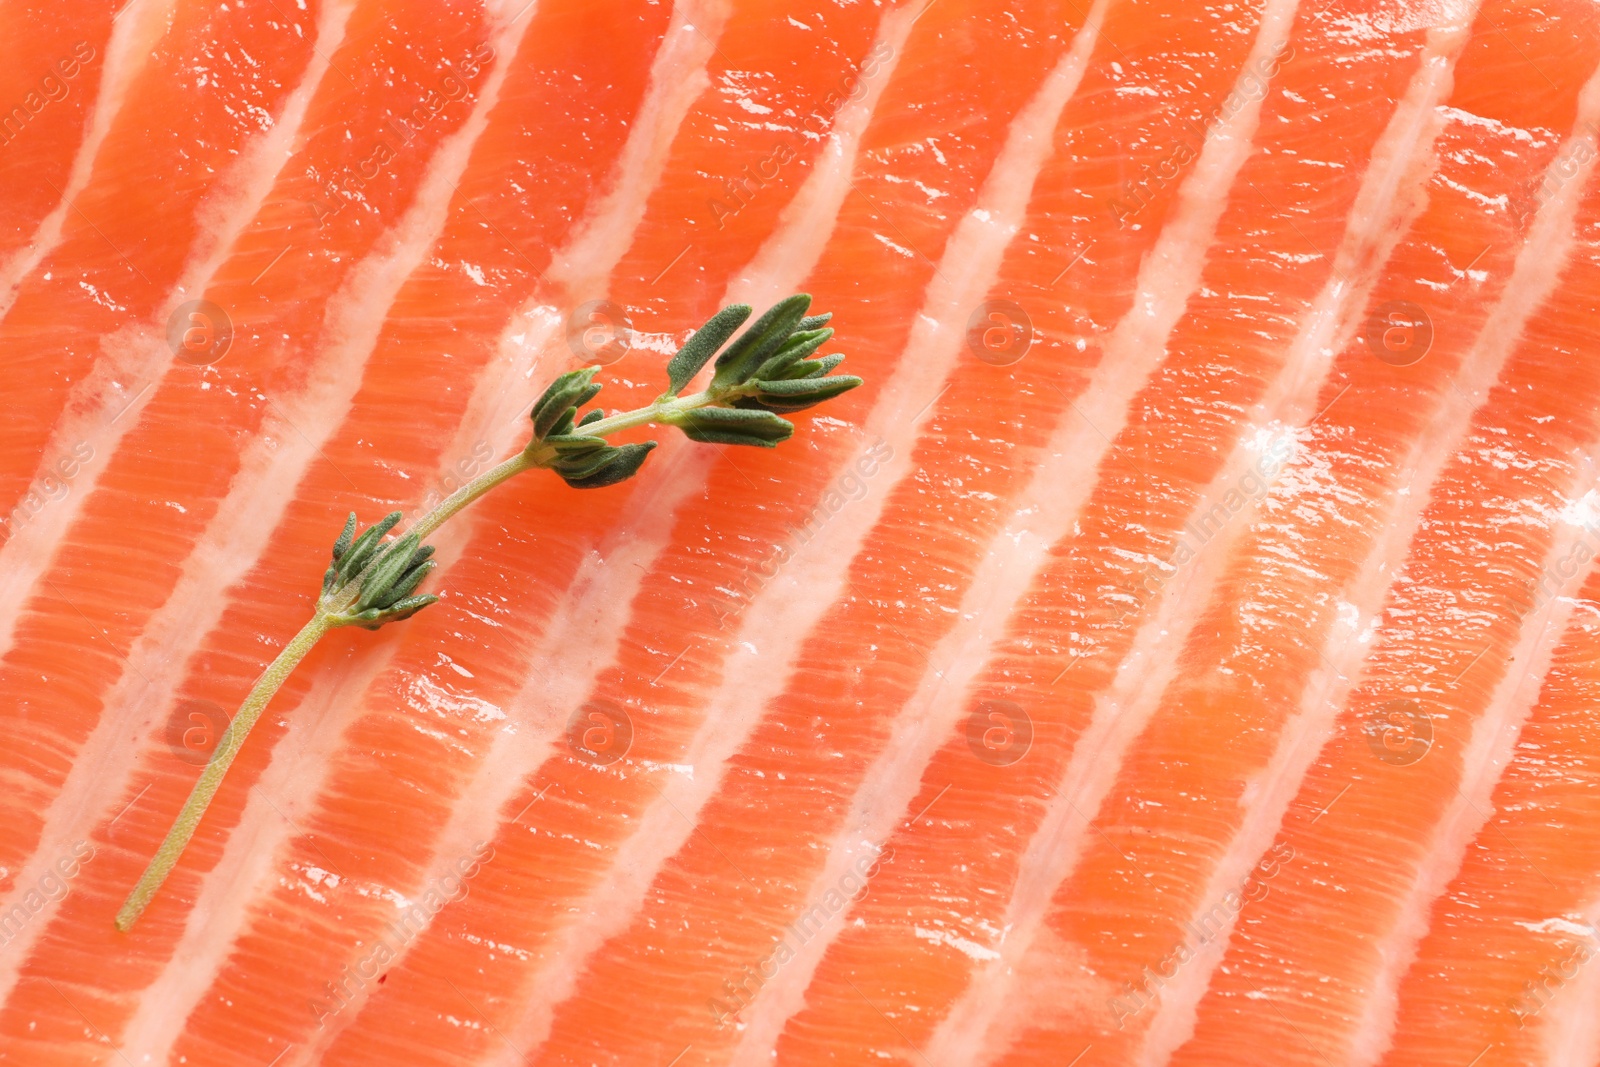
[(717, 533)]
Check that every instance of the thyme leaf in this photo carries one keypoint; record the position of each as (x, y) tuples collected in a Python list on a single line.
[(734, 426), (699, 349)]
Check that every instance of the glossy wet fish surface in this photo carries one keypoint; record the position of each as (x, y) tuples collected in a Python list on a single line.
[(1183, 650)]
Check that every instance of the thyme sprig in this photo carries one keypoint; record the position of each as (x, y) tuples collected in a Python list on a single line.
[(763, 374)]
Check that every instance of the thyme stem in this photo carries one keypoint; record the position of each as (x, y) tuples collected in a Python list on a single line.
[(456, 501), (232, 740), (765, 372), (332, 611)]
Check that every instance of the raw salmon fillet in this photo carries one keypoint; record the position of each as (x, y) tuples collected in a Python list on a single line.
[(1183, 649)]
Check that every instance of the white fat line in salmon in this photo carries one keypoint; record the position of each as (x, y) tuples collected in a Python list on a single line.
[(1538, 991), (165, 633), (51, 887), (1542, 590), (127, 51), (413, 920), (849, 486), (104, 405), (346, 186), (1119, 712), (1579, 151), (49, 487), (968, 272), (1478, 767), (742, 187), (1199, 932), (1252, 486), (1250, 87), (851, 887), (1546, 251), (53, 88)]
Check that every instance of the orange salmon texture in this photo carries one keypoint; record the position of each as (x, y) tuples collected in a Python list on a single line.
[(1182, 651)]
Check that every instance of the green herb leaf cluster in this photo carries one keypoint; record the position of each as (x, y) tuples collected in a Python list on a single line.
[(387, 573), (764, 373), (770, 367), (584, 461)]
